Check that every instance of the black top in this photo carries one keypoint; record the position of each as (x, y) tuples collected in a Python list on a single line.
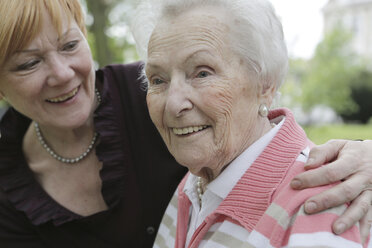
[(138, 176)]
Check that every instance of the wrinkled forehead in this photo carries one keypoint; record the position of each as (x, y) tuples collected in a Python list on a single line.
[(194, 28)]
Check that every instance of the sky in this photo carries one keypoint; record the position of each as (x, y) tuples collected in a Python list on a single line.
[(302, 24)]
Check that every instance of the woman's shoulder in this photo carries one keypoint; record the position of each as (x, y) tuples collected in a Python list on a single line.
[(15, 229), (7, 210), (122, 74), (11, 220), (125, 85)]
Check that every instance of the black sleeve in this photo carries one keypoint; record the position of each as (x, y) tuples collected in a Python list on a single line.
[(158, 174), (15, 229)]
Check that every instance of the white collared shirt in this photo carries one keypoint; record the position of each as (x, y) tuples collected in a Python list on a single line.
[(217, 190)]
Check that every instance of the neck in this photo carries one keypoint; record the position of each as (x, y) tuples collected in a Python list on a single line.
[(261, 128), (65, 145), (57, 136)]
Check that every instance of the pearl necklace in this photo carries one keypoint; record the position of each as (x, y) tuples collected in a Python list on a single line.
[(199, 190), (60, 158)]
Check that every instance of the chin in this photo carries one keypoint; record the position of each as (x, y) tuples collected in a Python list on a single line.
[(195, 165), (77, 120)]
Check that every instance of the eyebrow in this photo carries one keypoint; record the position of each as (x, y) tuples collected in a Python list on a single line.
[(185, 61), (196, 53), (59, 38), (151, 67), (27, 51), (67, 32)]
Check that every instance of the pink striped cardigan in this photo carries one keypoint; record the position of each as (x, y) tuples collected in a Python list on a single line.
[(263, 203)]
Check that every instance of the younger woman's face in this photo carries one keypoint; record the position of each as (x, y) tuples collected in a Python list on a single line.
[(52, 79)]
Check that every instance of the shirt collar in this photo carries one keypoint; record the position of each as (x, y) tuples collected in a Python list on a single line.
[(225, 182)]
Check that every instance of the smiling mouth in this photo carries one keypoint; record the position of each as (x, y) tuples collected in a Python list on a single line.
[(188, 130), (65, 97)]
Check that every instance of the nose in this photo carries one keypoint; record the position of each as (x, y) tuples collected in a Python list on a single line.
[(178, 99), (61, 70)]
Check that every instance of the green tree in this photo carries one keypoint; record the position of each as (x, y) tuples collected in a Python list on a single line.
[(361, 94), (330, 73), (108, 31), (291, 89)]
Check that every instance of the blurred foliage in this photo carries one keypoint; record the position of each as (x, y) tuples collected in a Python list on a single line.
[(330, 73), (361, 94), (334, 77), (108, 31), (321, 134), (292, 88)]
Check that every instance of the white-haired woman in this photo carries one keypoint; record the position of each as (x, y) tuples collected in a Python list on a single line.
[(213, 68)]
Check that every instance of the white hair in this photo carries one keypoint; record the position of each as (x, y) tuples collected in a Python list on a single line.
[(256, 32)]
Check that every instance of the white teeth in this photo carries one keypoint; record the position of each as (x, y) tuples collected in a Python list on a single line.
[(64, 97), (187, 130)]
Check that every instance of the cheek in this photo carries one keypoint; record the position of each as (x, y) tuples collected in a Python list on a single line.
[(88, 69), (25, 100), (154, 105), (218, 102), (219, 107), (85, 61), (25, 91)]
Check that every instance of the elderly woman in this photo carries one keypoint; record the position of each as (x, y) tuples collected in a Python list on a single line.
[(213, 67), (79, 155)]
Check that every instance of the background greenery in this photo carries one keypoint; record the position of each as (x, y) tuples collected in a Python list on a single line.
[(321, 134), (109, 32)]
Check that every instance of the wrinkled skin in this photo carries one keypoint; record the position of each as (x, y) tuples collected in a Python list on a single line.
[(197, 82)]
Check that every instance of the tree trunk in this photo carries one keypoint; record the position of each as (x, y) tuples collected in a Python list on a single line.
[(99, 10)]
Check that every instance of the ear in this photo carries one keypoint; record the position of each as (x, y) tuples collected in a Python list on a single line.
[(268, 91)]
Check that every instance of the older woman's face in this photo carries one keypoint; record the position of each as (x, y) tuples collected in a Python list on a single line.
[(201, 96), (52, 80)]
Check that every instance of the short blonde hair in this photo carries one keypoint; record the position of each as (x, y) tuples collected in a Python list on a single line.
[(21, 21)]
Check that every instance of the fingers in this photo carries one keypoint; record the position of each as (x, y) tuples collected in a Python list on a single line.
[(324, 153), (365, 225), (356, 211), (350, 159), (327, 174), (337, 195)]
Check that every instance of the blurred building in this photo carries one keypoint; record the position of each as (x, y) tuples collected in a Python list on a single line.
[(355, 16)]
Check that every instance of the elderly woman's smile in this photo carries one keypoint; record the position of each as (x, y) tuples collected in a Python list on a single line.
[(201, 97), (188, 130)]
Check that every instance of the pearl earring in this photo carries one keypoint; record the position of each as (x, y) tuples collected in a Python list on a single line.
[(263, 111)]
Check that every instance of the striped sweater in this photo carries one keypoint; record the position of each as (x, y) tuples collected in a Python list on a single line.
[(261, 210)]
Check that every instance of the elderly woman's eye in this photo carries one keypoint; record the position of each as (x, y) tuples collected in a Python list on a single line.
[(157, 81), (203, 74)]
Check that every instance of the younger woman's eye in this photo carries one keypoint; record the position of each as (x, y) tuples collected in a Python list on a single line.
[(28, 65), (70, 46), (203, 74)]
